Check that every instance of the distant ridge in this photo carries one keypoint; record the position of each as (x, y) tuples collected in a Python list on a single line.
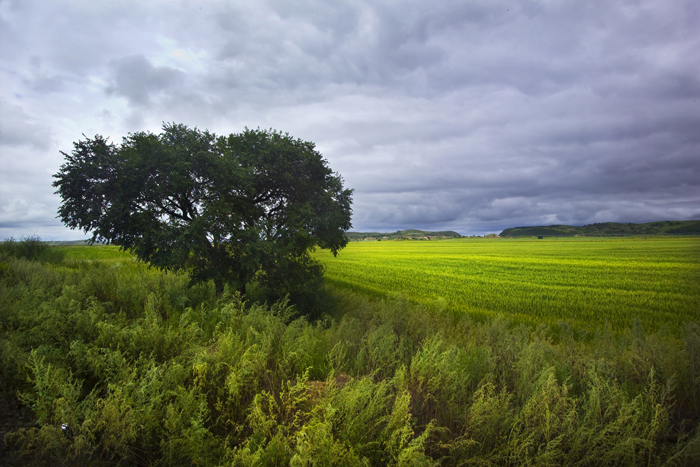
[(410, 234), (69, 242), (608, 229)]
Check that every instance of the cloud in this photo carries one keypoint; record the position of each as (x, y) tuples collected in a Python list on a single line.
[(19, 129), (473, 116), (139, 81)]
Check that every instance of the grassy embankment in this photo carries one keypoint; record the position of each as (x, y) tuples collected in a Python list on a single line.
[(116, 363)]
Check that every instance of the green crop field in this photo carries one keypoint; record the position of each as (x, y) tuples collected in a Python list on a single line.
[(96, 253), (587, 282)]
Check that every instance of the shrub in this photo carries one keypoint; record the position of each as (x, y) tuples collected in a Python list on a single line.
[(31, 248)]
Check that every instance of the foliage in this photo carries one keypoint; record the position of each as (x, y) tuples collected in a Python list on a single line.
[(232, 209), (124, 365), (589, 283)]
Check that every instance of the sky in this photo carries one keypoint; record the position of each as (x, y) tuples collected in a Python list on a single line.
[(472, 116)]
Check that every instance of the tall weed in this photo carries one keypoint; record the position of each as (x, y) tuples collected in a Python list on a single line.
[(125, 365)]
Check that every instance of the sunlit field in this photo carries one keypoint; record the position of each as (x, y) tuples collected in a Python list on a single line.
[(587, 282), (103, 253)]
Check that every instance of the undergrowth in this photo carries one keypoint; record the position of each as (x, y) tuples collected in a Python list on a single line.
[(121, 364)]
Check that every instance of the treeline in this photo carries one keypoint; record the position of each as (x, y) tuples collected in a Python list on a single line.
[(401, 235), (118, 364), (608, 229)]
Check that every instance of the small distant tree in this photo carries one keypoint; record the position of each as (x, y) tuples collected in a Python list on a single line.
[(231, 209)]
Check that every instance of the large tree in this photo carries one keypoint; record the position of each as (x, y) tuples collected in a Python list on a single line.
[(248, 207)]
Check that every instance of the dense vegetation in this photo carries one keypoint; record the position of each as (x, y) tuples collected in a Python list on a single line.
[(121, 364), (410, 234), (586, 282), (608, 229)]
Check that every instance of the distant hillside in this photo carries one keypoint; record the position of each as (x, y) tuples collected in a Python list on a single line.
[(69, 242), (607, 229), (410, 234)]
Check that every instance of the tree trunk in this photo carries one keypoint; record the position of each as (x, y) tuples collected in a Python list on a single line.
[(219, 286), (242, 279)]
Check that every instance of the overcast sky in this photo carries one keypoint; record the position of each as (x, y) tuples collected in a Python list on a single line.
[(471, 116)]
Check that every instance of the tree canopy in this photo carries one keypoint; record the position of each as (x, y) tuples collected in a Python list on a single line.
[(247, 207)]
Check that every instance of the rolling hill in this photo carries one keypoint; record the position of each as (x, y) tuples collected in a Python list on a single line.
[(607, 229), (410, 234)]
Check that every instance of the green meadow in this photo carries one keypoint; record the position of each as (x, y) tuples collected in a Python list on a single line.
[(585, 282), (428, 353)]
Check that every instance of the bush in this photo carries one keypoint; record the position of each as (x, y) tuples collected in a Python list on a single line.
[(31, 248)]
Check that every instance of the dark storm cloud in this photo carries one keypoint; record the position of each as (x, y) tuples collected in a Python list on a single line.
[(473, 116)]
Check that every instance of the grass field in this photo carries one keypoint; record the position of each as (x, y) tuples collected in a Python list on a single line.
[(587, 282), (96, 253), (108, 362)]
